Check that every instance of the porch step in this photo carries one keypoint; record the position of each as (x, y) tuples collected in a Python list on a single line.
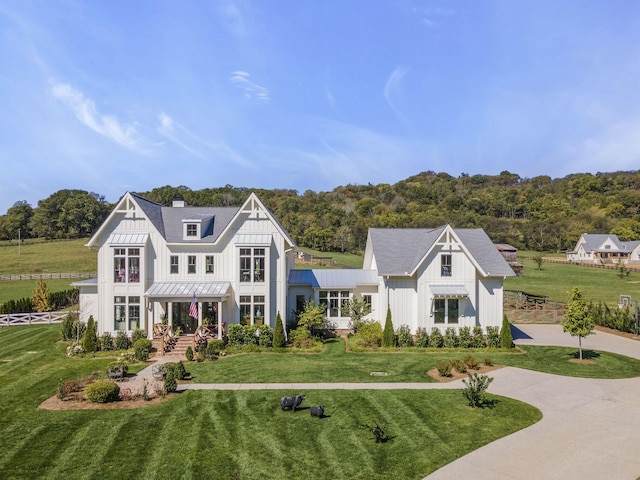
[(178, 349)]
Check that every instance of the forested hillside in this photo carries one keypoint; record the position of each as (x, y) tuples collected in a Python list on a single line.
[(540, 213)]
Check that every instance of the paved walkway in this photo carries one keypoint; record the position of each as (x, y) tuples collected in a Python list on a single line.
[(590, 428)]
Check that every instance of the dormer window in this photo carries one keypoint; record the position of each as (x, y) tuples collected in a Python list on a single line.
[(192, 229)]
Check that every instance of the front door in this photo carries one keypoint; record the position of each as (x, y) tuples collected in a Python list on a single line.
[(182, 319)]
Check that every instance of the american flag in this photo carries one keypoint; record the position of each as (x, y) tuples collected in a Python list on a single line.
[(193, 309)]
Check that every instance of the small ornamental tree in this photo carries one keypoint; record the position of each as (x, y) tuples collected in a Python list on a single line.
[(388, 336), (506, 339), (356, 309), (40, 297), (578, 320), (90, 338), (312, 316), (278, 333)]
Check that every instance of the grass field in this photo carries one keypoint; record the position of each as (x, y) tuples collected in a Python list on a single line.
[(238, 434), (556, 279), (64, 256)]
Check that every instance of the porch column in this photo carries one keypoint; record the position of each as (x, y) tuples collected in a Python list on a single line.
[(170, 314), (219, 320)]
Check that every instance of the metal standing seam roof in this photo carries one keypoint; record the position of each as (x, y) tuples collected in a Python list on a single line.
[(333, 278), (448, 290), (253, 239), (128, 238), (187, 289)]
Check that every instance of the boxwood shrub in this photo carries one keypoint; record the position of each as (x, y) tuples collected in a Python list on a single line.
[(103, 392)]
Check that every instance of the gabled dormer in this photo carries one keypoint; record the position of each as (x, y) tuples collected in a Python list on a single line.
[(194, 226)]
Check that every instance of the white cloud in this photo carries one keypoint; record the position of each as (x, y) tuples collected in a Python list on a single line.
[(194, 144), (234, 19), (251, 90), (106, 125), (392, 88)]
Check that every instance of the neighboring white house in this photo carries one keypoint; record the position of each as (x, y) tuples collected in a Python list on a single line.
[(237, 264), (604, 249)]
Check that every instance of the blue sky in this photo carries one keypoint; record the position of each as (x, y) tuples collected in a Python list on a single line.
[(119, 95)]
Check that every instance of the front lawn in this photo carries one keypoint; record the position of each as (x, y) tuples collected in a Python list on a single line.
[(411, 365), (216, 434)]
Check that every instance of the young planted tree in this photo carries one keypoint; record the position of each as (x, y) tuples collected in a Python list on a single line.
[(312, 316), (278, 333), (357, 309), (40, 297), (506, 339), (388, 335), (90, 338), (578, 320)]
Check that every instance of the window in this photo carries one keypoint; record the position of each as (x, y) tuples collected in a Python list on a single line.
[(191, 264), (134, 313), (208, 264), (134, 265), (367, 299), (126, 313), (335, 300), (174, 264), (446, 310), (192, 229), (123, 257), (252, 310), (119, 263), (252, 262), (445, 265)]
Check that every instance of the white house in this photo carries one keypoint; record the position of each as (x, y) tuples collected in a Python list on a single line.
[(237, 265), (604, 248)]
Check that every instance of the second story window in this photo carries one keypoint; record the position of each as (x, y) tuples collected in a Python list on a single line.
[(445, 265), (191, 264), (126, 265), (252, 264), (208, 264), (175, 265)]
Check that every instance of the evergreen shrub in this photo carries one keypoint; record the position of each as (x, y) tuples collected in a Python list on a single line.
[(493, 337), (422, 338), (388, 336), (404, 336), (103, 392), (450, 338), (436, 340), (478, 337), (465, 340)]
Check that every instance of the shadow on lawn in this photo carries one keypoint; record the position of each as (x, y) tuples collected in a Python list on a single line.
[(586, 355)]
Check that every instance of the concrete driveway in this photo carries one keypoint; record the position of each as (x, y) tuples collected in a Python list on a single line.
[(590, 428)]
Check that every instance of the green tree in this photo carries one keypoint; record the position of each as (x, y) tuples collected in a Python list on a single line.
[(278, 333), (312, 316), (578, 320), (357, 309), (90, 338), (16, 222), (388, 335), (506, 339), (40, 297), (538, 261)]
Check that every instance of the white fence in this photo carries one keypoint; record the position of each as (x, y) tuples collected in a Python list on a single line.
[(46, 276), (43, 318)]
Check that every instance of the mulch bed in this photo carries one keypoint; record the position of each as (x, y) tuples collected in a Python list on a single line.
[(77, 401), (455, 375)]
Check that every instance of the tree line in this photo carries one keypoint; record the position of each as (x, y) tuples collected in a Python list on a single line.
[(539, 213)]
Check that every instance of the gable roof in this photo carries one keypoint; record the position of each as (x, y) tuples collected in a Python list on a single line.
[(168, 221), (593, 241), (399, 251)]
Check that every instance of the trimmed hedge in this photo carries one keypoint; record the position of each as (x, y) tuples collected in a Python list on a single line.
[(103, 392)]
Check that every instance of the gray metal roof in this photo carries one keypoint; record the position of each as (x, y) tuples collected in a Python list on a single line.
[(594, 241), (398, 251), (253, 239), (451, 290), (333, 278), (128, 238), (91, 282), (187, 290)]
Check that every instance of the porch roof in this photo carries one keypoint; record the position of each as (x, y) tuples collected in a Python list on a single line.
[(186, 290), (449, 290)]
